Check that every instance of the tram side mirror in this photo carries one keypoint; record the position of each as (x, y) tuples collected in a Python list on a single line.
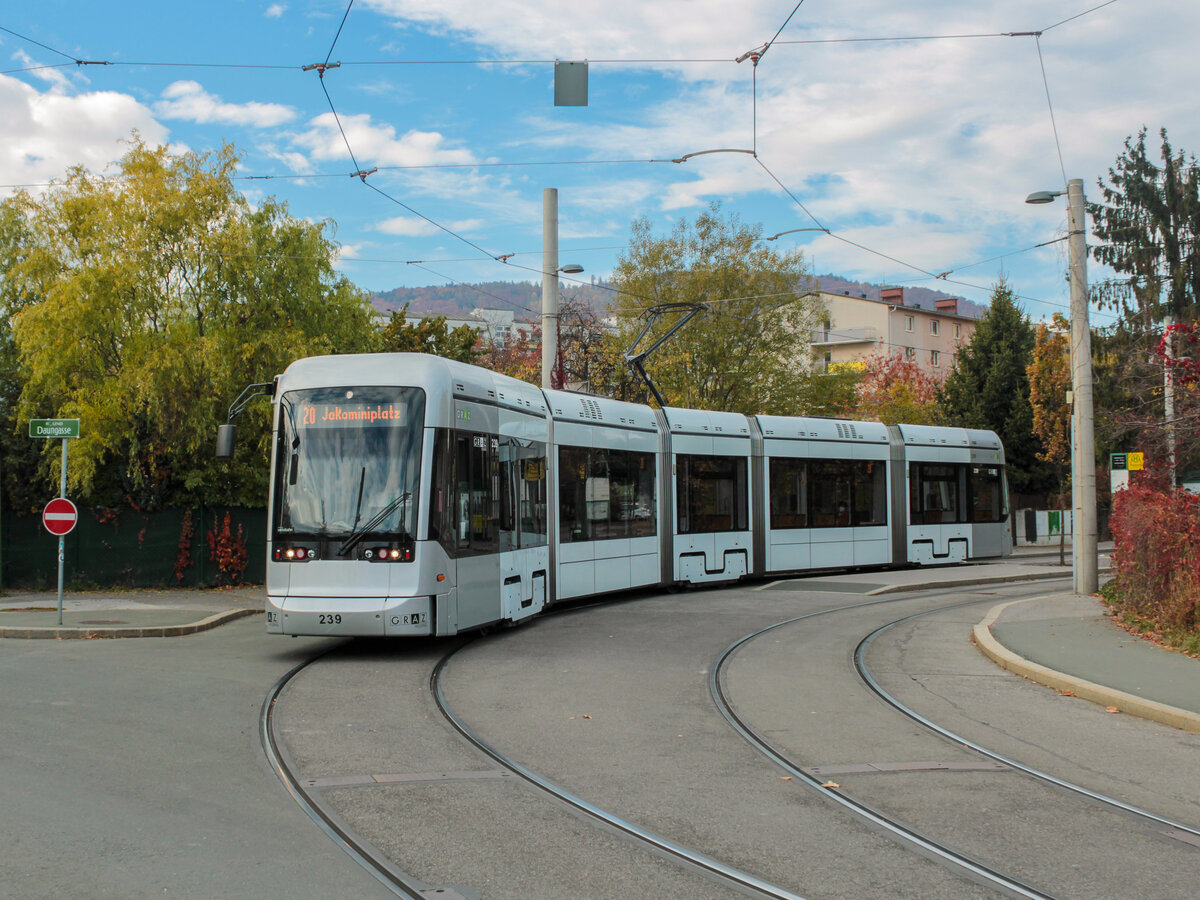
[(226, 438)]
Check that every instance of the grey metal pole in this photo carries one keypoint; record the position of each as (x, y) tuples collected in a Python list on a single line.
[(1169, 398), (549, 284), (1083, 462), (62, 538)]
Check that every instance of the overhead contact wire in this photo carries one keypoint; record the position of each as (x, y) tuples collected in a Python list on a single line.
[(345, 16), (767, 45), (1079, 15), (1050, 106)]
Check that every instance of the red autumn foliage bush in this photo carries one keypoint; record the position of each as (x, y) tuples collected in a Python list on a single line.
[(1156, 555), (228, 550)]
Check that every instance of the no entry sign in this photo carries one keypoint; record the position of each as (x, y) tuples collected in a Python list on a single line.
[(60, 516)]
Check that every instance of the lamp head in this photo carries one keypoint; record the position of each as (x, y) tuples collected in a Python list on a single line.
[(1043, 196)]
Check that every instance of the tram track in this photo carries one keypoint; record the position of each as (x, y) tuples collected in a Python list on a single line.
[(713, 868), (403, 884), (970, 867), (1104, 800)]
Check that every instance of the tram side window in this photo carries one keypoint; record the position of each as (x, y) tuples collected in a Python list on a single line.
[(465, 513), (985, 485), (605, 494), (832, 492), (934, 496), (443, 502), (789, 492), (713, 494), (522, 493), (640, 506), (870, 493), (572, 494)]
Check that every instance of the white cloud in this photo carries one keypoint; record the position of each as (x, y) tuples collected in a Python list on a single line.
[(923, 150), (595, 28), (411, 226), (377, 145), (275, 11), (188, 100), (55, 77), (298, 163), (47, 133)]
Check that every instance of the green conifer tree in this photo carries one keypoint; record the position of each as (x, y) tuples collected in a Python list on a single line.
[(989, 389)]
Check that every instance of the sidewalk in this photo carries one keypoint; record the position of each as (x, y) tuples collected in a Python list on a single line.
[(1070, 643), (124, 613)]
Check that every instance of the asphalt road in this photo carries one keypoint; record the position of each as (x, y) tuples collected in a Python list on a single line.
[(612, 704), (133, 769)]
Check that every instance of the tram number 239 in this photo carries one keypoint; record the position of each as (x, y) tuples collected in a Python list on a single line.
[(329, 619)]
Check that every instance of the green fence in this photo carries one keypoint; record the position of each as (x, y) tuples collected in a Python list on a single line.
[(125, 547)]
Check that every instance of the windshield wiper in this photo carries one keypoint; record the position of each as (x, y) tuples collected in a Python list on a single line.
[(371, 524)]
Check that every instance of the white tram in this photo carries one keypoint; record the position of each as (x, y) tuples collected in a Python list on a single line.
[(412, 495)]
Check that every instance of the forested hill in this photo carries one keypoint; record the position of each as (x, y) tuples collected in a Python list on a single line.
[(459, 299), (525, 297)]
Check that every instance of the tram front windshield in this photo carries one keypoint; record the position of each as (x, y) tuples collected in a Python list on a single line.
[(349, 459)]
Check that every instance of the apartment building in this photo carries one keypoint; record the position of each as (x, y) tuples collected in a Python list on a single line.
[(856, 327)]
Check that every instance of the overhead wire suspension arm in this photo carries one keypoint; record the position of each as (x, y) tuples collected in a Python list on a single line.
[(635, 359)]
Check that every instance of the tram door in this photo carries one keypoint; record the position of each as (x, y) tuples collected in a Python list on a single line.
[(474, 517), (524, 538), (497, 517)]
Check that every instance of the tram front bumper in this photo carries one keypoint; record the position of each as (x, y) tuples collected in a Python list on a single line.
[(350, 616)]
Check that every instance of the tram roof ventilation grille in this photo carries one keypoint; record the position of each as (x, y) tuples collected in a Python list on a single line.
[(846, 430), (591, 409)]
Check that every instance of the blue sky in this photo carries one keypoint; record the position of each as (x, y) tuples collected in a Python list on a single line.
[(920, 150)]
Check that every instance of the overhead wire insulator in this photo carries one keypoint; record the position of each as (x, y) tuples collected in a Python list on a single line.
[(320, 67)]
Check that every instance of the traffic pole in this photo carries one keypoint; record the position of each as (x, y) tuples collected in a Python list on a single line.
[(62, 538)]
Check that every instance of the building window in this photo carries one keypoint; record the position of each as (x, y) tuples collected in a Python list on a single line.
[(908, 323), (910, 352), (957, 330), (934, 326), (935, 358)]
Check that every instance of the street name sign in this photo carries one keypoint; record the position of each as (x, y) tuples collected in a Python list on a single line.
[(54, 428)]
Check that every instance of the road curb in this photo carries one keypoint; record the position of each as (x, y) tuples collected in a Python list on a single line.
[(60, 633), (965, 582), (1086, 690)]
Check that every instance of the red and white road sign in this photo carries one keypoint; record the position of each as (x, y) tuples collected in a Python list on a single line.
[(60, 516)]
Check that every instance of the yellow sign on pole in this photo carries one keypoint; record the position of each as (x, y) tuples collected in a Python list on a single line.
[(1136, 462)]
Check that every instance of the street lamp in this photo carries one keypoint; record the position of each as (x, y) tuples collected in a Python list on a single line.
[(1083, 443)]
